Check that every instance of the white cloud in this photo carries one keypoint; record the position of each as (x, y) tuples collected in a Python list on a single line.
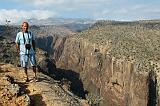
[(53, 2), (64, 4), (129, 13), (47, 2), (18, 15)]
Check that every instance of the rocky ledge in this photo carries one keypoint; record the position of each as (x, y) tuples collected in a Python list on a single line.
[(14, 91)]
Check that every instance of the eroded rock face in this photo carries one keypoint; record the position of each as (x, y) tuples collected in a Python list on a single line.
[(110, 81)]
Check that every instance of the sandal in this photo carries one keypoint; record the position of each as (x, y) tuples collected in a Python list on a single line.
[(34, 80)]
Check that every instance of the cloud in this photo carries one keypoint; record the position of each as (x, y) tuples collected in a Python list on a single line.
[(79, 2), (63, 4), (129, 13), (44, 3), (96, 9), (18, 15)]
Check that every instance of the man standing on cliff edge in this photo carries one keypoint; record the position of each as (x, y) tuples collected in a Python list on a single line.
[(25, 44)]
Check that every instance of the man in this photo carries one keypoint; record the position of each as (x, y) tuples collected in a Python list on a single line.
[(25, 44)]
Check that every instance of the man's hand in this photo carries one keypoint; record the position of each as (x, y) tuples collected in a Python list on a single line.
[(18, 48), (18, 51)]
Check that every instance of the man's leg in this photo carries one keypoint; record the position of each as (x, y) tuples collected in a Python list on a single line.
[(34, 70), (33, 64), (24, 62), (25, 69)]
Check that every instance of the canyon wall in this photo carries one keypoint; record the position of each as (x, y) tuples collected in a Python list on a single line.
[(118, 65), (114, 81)]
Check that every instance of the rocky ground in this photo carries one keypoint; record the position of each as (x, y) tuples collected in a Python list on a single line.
[(14, 91)]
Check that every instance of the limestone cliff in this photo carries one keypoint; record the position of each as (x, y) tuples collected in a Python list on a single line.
[(118, 64)]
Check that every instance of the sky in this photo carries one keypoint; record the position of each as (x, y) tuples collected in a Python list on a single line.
[(120, 10)]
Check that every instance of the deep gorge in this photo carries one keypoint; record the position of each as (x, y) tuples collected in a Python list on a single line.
[(116, 68)]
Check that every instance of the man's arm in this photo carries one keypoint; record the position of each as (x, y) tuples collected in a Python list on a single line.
[(18, 47), (33, 42), (17, 43), (34, 45)]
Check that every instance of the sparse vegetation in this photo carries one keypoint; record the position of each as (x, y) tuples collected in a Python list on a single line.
[(136, 41), (94, 100)]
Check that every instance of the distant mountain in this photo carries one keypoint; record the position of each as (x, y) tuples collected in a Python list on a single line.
[(60, 21), (77, 24)]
